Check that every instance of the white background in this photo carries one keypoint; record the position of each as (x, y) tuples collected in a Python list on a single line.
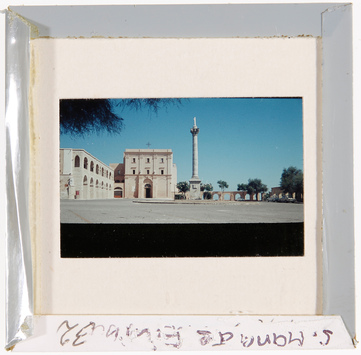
[(357, 124)]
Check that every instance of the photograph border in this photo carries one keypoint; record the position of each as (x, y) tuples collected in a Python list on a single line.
[(86, 233)]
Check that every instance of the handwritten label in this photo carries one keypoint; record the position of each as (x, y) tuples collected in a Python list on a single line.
[(175, 336), (149, 333)]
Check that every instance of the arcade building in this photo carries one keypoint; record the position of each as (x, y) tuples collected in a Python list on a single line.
[(84, 177)]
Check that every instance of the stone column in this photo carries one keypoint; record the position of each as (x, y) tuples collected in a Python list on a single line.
[(195, 182)]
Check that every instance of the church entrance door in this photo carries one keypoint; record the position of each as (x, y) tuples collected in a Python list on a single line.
[(148, 191)]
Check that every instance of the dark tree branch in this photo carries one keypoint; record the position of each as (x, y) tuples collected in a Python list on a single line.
[(82, 116)]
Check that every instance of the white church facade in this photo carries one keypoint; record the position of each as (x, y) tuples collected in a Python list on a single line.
[(146, 173)]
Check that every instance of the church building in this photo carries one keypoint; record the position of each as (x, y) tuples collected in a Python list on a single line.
[(145, 173)]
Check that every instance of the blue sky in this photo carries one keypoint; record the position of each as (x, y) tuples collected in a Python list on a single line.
[(239, 138)]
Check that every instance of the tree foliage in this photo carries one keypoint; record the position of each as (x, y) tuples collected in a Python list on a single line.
[(254, 187), (222, 185), (183, 186), (206, 187), (258, 186), (245, 187), (153, 105), (292, 182), (207, 195), (82, 116)]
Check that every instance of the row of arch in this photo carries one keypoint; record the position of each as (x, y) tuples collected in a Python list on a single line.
[(97, 184), (95, 189), (98, 170), (229, 196)]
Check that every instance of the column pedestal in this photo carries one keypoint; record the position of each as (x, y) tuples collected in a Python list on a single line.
[(195, 189)]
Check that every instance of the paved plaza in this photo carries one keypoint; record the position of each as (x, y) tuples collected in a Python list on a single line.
[(157, 211)]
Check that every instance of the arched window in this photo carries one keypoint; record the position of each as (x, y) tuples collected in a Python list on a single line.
[(102, 171), (85, 180), (102, 185), (107, 173), (85, 163), (91, 182), (92, 166), (110, 175), (97, 183), (77, 162), (97, 169), (106, 186)]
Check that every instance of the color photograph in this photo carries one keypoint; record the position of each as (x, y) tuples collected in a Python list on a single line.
[(150, 164)]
